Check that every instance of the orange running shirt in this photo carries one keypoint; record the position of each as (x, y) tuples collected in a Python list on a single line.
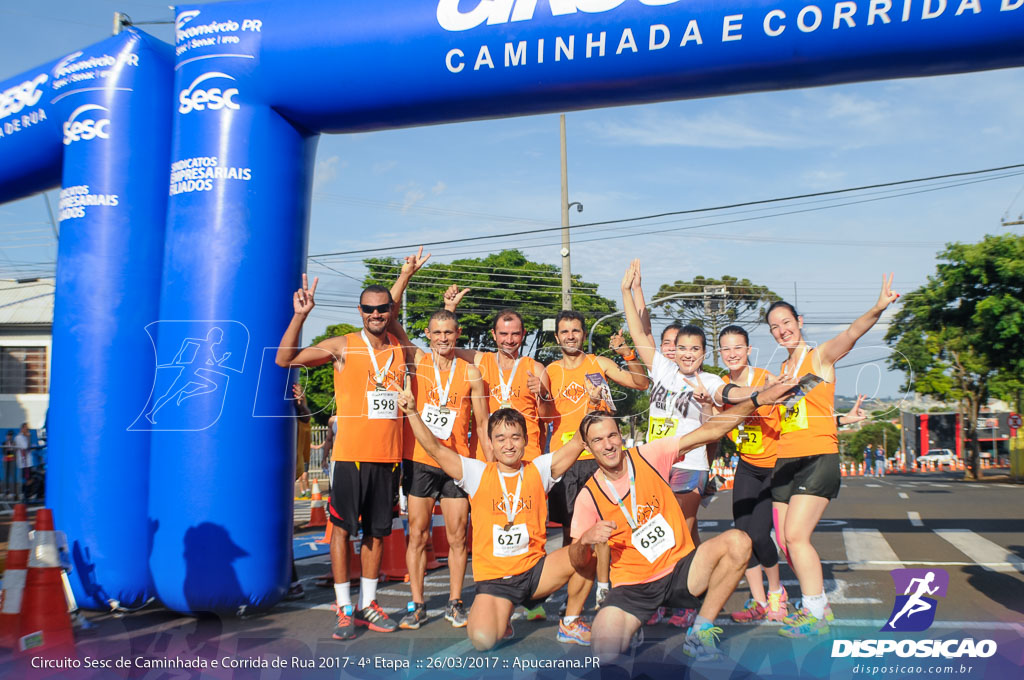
[(569, 388), (808, 428), (359, 438), (488, 504), (460, 404), (521, 398), (653, 498), (757, 440)]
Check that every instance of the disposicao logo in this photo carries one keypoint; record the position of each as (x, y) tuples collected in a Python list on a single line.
[(914, 610)]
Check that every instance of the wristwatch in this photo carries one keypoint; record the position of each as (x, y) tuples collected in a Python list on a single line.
[(753, 400)]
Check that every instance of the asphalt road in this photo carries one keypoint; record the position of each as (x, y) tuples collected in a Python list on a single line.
[(973, 531)]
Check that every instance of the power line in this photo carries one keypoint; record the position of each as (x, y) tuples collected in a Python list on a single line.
[(691, 211)]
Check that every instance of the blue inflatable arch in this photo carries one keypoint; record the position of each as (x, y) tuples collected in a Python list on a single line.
[(97, 123), (255, 83)]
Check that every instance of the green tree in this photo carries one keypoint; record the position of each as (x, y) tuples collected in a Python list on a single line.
[(500, 280), (875, 435), (714, 304), (964, 328), (318, 382)]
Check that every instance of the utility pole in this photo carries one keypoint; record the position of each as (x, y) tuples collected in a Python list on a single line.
[(566, 269)]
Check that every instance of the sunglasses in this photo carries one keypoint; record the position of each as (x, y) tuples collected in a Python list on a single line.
[(370, 309)]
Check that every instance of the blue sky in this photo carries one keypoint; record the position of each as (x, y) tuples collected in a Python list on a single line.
[(469, 179)]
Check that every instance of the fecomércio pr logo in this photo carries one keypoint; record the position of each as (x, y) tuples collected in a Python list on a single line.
[(916, 603)]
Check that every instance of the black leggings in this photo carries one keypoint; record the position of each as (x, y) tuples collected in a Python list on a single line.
[(752, 512)]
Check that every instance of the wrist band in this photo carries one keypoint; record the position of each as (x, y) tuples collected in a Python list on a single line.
[(753, 400), (630, 356), (839, 421)]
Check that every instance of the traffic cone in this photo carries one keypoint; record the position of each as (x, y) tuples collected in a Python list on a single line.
[(392, 564), (14, 576), (317, 509), (439, 534), (842, 470), (45, 623)]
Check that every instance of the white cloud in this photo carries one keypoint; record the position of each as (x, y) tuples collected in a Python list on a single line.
[(438, 188), (381, 167), (710, 131), (326, 170), (412, 197)]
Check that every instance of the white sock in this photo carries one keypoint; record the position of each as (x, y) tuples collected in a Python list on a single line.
[(763, 604), (604, 586), (343, 594), (777, 592), (567, 620), (367, 591), (816, 604)]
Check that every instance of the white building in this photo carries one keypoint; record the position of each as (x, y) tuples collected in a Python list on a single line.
[(26, 320)]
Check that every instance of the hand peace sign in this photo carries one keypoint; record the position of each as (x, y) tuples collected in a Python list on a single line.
[(302, 301), (413, 263), (700, 393), (887, 296)]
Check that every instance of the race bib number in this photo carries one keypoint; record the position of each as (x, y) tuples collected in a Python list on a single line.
[(382, 405), (794, 417), (567, 437), (510, 543), (749, 440), (659, 428), (438, 421), (654, 538)]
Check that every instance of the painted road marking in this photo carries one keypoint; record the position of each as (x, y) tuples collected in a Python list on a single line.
[(867, 549), (903, 495), (915, 519), (984, 552), (873, 486)]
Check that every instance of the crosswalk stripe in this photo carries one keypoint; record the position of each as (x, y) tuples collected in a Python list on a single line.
[(867, 549), (989, 555), (903, 495), (915, 518)]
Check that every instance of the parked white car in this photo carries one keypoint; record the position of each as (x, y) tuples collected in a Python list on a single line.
[(939, 456)]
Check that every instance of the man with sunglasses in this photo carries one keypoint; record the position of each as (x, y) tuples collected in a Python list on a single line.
[(369, 374)]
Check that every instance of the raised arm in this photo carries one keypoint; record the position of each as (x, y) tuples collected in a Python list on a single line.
[(450, 461), (855, 414), (835, 349), (720, 425), (288, 352), (643, 339), (481, 410), (563, 458), (634, 375)]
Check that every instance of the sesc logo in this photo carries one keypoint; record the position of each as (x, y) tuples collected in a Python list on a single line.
[(14, 99), (914, 610), (86, 128), (214, 99)]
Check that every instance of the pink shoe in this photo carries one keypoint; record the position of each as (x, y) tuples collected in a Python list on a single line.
[(752, 611), (777, 606), (657, 617), (683, 618)]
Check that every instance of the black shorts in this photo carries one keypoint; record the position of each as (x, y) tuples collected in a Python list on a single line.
[(809, 475), (518, 589), (562, 498), (426, 481), (643, 599), (364, 495)]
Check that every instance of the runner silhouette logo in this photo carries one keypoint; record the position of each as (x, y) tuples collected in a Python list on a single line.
[(916, 590)]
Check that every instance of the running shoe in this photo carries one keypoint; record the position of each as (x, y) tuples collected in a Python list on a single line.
[(416, 617), (657, 617), (702, 643), (455, 612), (777, 606), (509, 633), (537, 614), (346, 629), (577, 632), (752, 611), (374, 618), (683, 618), (804, 625), (295, 592), (792, 618), (601, 595)]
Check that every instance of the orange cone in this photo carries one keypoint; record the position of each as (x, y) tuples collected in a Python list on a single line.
[(439, 534), (842, 470), (14, 576), (45, 622), (392, 564), (317, 509)]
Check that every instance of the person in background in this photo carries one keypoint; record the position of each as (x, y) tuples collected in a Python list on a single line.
[(304, 429), (9, 469)]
